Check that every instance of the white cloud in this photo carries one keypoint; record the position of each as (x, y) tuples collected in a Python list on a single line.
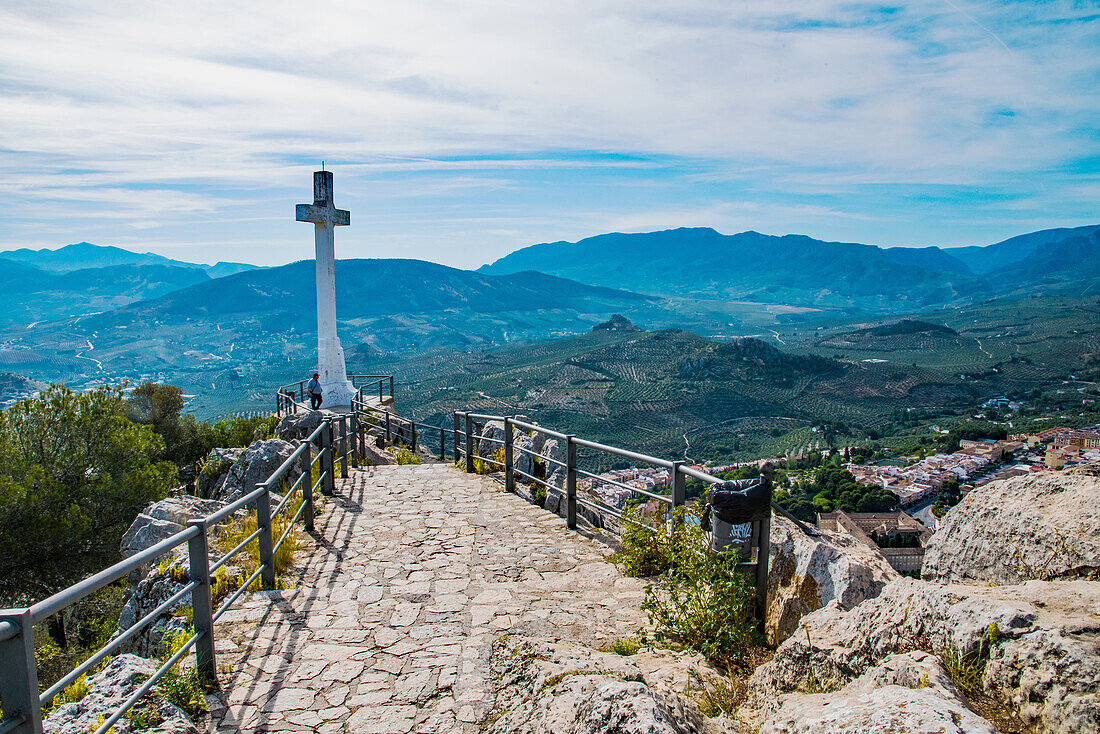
[(124, 104)]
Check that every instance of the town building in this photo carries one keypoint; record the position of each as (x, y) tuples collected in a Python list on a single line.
[(894, 535)]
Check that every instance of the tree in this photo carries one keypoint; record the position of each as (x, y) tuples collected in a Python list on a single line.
[(74, 472)]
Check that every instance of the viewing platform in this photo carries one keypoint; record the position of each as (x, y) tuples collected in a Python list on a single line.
[(412, 574)]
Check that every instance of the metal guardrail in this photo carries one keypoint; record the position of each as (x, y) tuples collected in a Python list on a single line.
[(296, 391), (20, 698)]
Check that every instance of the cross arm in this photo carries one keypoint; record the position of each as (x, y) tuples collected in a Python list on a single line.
[(322, 215)]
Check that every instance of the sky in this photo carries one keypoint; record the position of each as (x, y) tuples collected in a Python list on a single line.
[(460, 131)]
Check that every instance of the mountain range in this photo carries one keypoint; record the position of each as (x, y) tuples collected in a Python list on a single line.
[(800, 270), (85, 255)]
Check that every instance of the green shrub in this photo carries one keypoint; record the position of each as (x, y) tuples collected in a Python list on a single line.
[(642, 552), (701, 601), (183, 687), (403, 455), (538, 494), (718, 694), (623, 646)]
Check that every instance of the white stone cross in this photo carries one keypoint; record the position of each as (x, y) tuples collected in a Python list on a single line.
[(337, 391)]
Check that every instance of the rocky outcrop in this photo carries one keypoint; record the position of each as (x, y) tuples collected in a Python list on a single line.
[(489, 443), (807, 572), (156, 587), (215, 466), (1038, 644), (255, 464), (563, 688), (1041, 526), (907, 693), (163, 519), (120, 677), (300, 426)]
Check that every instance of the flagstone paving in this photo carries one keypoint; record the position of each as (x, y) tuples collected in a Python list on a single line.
[(414, 571)]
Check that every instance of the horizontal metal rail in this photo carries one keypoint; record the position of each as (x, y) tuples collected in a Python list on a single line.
[(240, 546), (540, 429), (238, 593), (605, 480), (115, 643), (19, 672), (147, 686), (543, 482), (67, 597), (11, 724), (635, 456)]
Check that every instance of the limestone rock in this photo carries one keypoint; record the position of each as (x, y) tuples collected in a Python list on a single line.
[(552, 688), (374, 456), (255, 464), (297, 426), (1045, 526), (1043, 662), (551, 454), (145, 532), (487, 440), (162, 519), (521, 460), (109, 688), (806, 573), (215, 466), (908, 693), (158, 585)]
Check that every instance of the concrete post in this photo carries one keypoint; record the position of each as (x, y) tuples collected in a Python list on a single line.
[(19, 672), (570, 483), (198, 568)]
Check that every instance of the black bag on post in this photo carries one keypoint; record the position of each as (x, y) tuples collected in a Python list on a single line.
[(733, 506)]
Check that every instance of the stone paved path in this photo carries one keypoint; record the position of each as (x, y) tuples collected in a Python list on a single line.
[(415, 572)]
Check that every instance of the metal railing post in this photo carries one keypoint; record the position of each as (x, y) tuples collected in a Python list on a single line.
[(469, 444), (266, 545), (570, 483), (509, 479), (353, 431), (328, 462), (678, 485), (380, 392), (305, 465), (442, 442), (412, 425), (455, 434), (344, 446), (389, 434), (198, 568), (19, 672)]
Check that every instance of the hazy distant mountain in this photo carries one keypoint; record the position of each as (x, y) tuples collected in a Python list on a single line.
[(700, 262), (269, 314), (929, 258), (29, 294), (796, 269), (86, 255), (1014, 251)]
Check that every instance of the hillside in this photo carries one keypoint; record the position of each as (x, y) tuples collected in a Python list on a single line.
[(671, 391), (800, 270), (29, 294), (216, 331)]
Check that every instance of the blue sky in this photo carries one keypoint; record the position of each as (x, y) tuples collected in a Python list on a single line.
[(459, 131)]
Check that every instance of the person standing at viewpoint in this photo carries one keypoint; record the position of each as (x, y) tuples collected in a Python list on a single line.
[(313, 387)]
